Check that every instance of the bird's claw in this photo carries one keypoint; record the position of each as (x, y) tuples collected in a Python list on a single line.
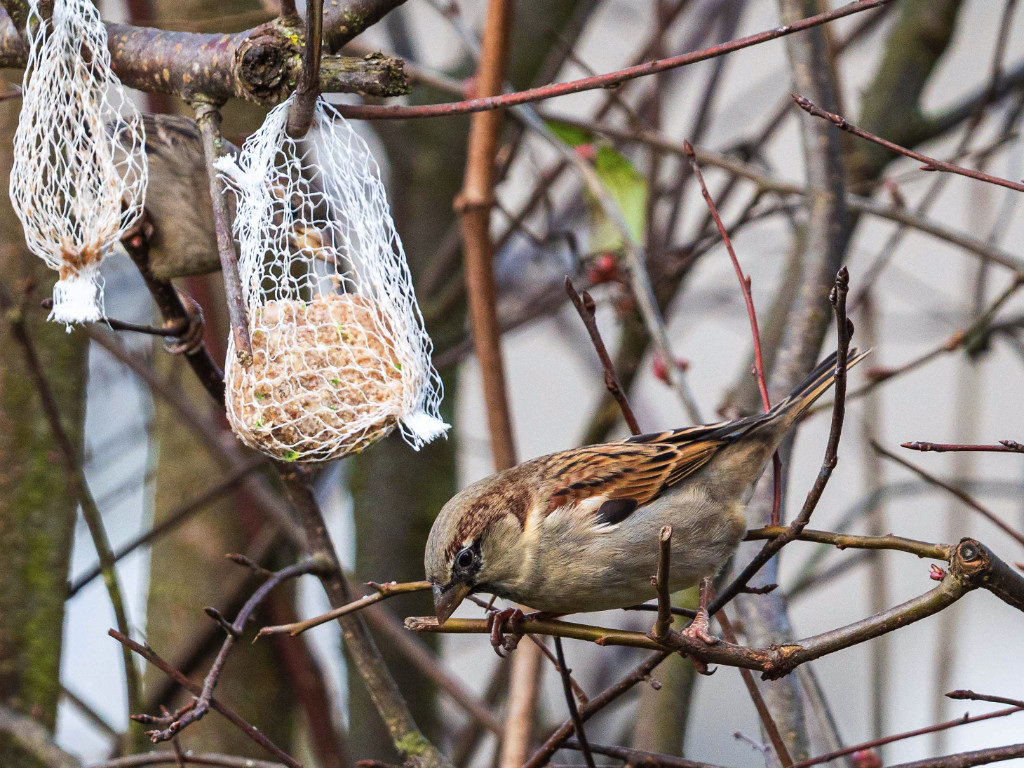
[(699, 629), (499, 640)]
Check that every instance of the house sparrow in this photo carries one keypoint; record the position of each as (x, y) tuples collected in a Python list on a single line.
[(578, 530)]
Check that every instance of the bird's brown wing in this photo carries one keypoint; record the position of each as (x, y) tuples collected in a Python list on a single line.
[(629, 474)]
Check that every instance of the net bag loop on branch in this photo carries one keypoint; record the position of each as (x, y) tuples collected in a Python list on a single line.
[(340, 354), (78, 180)]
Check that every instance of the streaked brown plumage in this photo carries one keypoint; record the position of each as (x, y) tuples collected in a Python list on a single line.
[(578, 530)]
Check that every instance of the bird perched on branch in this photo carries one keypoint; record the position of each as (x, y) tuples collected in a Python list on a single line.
[(578, 531)]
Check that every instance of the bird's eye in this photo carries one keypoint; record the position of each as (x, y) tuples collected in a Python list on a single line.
[(464, 559)]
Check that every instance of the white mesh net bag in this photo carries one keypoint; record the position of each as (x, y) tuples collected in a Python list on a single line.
[(340, 355), (79, 175)]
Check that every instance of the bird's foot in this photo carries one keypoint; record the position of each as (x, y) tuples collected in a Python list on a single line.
[(495, 623), (699, 629)]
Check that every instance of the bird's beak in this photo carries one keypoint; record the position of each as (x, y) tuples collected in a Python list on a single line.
[(447, 600)]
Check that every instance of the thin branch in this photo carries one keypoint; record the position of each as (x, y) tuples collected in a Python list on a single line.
[(748, 299), (662, 625), (605, 698), (850, 541), (639, 757), (405, 734), (175, 518), (964, 720), (189, 758), (969, 759), (1005, 446), (172, 309), (930, 163), (382, 592), (208, 117), (771, 728), (963, 496), (77, 482), (608, 80), (585, 307), (570, 701), (972, 696), (300, 116), (844, 330), (233, 717), (233, 630)]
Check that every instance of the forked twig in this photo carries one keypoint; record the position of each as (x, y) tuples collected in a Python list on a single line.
[(585, 307)]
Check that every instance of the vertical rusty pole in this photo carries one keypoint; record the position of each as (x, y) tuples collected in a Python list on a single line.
[(474, 205)]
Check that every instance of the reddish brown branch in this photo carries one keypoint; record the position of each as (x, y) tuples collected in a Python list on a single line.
[(202, 703), (964, 720), (233, 717), (964, 497), (844, 330), (1005, 446), (965, 695), (969, 759), (930, 163), (585, 307), (608, 80), (748, 299), (767, 721)]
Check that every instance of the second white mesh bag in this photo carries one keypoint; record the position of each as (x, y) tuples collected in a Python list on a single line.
[(340, 355), (78, 180)]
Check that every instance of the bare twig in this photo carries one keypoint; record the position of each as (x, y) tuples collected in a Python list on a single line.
[(639, 757), (965, 695), (78, 485), (233, 717), (969, 759), (201, 705), (382, 592), (585, 307), (208, 117), (964, 720), (771, 728), (964, 497), (849, 541), (1005, 446), (609, 80), (831, 458), (189, 758), (748, 299), (660, 630), (570, 701), (930, 163), (300, 116)]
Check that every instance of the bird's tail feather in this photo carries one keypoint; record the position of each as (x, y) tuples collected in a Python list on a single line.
[(817, 383)]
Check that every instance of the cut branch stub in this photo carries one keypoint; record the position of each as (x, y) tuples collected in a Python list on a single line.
[(262, 62)]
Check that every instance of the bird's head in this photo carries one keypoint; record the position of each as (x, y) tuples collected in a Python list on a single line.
[(476, 543)]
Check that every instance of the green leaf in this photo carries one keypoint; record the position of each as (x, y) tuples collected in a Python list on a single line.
[(628, 188), (570, 134)]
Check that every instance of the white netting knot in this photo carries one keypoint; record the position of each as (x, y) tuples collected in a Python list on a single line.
[(340, 355), (79, 175)]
